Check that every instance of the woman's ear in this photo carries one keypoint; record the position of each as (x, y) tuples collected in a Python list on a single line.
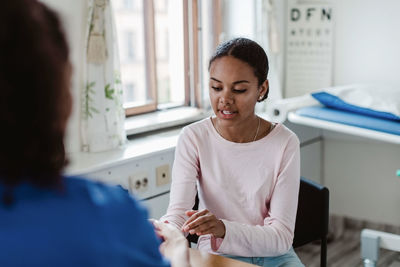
[(264, 89)]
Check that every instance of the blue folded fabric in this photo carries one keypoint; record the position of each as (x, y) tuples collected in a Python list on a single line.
[(335, 102), (350, 118)]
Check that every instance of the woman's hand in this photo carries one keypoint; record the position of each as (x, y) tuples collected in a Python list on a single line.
[(202, 223), (174, 246)]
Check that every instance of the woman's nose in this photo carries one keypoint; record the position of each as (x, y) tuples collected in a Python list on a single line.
[(226, 98)]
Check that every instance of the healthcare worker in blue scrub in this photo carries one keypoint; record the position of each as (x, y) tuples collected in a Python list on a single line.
[(47, 219)]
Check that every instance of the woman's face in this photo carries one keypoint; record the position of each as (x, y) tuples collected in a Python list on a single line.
[(234, 90)]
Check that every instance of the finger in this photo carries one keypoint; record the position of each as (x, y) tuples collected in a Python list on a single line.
[(193, 224), (207, 228), (190, 212), (216, 228), (162, 248), (154, 223), (195, 216), (168, 231), (162, 229), (202, 226), (159, 235), (206, 231), (199, 221)]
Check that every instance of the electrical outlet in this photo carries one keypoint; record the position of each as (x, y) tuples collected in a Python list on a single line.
[(145, 183), (163, 175), (139, 182)]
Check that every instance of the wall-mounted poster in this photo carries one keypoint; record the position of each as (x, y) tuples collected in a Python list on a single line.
[(309, 46)]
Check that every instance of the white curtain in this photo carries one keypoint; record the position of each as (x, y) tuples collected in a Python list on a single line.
[(268, 34), (102, 123)]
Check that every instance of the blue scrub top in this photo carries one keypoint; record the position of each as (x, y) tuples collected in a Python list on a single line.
[(87, 224)]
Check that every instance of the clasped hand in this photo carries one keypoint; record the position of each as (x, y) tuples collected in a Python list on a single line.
[(203, 222), (174, 245)]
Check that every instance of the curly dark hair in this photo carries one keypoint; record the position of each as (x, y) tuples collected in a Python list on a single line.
[(35, 99), (247, 51)]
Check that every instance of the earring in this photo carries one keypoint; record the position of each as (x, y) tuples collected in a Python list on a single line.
[(260, 97)]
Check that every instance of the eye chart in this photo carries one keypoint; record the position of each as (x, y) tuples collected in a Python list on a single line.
[(309, 46)]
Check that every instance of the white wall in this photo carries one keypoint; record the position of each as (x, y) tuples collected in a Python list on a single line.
[(155, 196), (367, 41), (361, 177), (73, 15), (238, 19), (361, 173)]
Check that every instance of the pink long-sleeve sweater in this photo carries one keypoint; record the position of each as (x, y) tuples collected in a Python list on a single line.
[(252, 187)]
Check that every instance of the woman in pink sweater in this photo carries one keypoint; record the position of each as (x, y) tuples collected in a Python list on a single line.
[(245, 169)]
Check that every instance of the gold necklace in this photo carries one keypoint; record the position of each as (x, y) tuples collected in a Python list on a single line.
[(258, 128), (255, 136)]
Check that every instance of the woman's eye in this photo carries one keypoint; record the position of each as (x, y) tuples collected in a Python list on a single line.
[(216, 88), (239, 91)]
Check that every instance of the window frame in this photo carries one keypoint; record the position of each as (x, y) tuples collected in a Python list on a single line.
[(192, 82)]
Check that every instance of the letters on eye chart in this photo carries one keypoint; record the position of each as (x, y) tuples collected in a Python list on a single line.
[(309, 51)]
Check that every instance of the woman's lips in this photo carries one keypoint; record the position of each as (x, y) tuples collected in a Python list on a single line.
[(227, 114)]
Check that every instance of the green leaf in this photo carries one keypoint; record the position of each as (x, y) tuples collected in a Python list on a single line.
[(90, 85), (94, 110), (109, 92)]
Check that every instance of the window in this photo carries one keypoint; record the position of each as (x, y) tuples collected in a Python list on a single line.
[(130, 28), (159, 50), (130, 4), (130, 46), (129, 92)]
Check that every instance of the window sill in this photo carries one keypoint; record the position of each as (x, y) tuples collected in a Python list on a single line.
[(163, 119), (143, 145), (86, 164)]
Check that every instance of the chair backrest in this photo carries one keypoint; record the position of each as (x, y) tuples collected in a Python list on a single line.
[(194, 238), (312, 219)]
